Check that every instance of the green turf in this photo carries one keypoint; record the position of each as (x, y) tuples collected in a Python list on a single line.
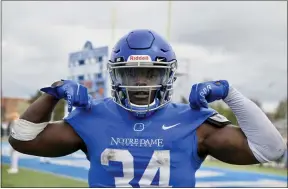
[(31, 178), (253, 168)]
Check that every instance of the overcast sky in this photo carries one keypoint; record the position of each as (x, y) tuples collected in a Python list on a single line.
[(243, 42)]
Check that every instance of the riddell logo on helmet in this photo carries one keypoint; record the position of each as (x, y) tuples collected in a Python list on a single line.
[(137, 58)]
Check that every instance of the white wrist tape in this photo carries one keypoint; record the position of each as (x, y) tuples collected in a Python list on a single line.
[(264, 140), (24, 130)]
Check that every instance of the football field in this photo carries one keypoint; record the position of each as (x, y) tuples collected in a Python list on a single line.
[(72, 171)]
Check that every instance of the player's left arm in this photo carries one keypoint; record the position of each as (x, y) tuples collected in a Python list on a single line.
[(228, 144), (255, 140)]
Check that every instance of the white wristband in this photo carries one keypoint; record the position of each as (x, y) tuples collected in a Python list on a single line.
[(24, 130)]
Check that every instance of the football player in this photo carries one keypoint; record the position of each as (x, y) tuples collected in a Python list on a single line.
[(139, 138)]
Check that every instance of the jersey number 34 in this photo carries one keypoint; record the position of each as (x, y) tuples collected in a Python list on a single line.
[(159, 160)]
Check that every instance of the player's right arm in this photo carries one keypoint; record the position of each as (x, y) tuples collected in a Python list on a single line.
[(57, 139), (34, 135)]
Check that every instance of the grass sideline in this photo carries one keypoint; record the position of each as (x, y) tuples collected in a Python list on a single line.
[(32, 178), (248, 168)]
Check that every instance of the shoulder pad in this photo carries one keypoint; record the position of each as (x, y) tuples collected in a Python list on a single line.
[(218, 120)]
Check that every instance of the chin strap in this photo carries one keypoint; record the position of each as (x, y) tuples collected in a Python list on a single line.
[(139, 110)]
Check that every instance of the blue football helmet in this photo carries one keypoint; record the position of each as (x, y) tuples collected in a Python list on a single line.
[(137, 55)]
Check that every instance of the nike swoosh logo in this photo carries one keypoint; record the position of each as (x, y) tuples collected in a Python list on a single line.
[(160, 59), (169, 127)]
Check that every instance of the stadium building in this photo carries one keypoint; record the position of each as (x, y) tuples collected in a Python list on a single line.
[(89, 67)]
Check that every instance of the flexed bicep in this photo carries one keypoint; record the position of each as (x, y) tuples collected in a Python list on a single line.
[(230, 145), (57, 139)]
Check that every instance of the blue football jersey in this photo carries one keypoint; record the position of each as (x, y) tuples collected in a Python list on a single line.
[(126, 151)]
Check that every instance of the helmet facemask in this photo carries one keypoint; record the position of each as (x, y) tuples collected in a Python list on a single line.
[(142, 87)]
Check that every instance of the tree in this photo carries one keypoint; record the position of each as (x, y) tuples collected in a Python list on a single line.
[(35, 96), (220, 108), (184, 100), (3, 112), (225, 111), (22, 106), (257, 102), (58, 112), (281, 110)]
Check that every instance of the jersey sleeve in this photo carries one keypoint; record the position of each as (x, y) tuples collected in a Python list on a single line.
[(83, 120), (218, 120), (77, 119), (74, 118)]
